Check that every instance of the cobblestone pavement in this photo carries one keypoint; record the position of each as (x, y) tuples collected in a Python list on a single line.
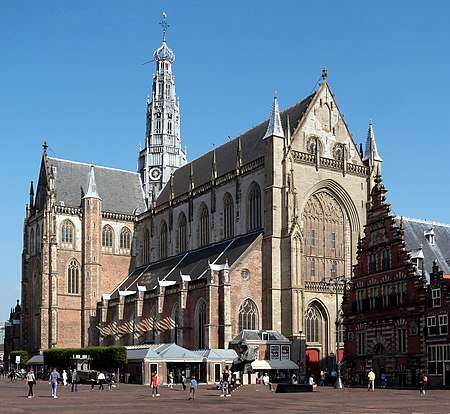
[(252, 399)]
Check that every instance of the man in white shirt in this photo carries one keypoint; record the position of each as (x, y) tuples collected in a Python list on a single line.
[(371, 378)]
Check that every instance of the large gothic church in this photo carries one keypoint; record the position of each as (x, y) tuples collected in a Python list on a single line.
[(196, 252)]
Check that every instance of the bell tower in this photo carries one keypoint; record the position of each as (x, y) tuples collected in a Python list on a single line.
[(162, 153)]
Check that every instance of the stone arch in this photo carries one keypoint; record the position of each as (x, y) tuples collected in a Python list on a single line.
[(200, 324)]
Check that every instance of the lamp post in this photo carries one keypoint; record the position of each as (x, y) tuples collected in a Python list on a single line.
[(336, 280)]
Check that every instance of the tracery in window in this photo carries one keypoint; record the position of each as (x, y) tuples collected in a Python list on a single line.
[(248, 316)]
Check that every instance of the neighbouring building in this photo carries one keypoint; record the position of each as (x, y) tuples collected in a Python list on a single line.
[(194, 253)]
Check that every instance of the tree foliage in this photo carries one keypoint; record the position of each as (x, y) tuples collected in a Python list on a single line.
[(23, 357)]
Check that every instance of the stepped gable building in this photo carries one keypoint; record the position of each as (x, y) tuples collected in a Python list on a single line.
[(388, 319), (238, 239)]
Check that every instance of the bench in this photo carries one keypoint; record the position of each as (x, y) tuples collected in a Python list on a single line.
[(295, 388)]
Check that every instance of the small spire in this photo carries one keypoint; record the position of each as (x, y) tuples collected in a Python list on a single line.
[(371, 153), (275, 128), (31, 195), (324, 74), (92, 187), (164, 26), (191, 177), (45, 146)]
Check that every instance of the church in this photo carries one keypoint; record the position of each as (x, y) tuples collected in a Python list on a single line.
[(195, 253)]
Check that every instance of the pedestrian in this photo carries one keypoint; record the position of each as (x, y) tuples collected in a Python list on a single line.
[(225, 384), (266, 381), (53, 381), (92, 379), (101, 380), (31, 381), (333, 377), (421, 382), (170, 385), (193, 387), (326, 377), (183, 380), (155, 385), (322, 378), (371, 378), (294, 378), (311, 381), (75, 380)]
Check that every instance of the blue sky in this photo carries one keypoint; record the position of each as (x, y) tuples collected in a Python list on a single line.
[(71, 74)]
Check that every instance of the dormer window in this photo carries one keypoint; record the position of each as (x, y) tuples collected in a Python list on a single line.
[(436, 297), (429, 235)]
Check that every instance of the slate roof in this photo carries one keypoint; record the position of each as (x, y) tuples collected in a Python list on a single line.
[(414, 233), (193, 263), (120, 191), (142, 353), (252, 148), (217, 354)]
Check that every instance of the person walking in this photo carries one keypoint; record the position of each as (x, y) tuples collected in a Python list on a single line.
[(170, 385), (371, 378), (31, 381), (225, 384), (75, 380), (155, 385), (192, 388), (183, 380), (101, 380), (53, 381), (421, 382), (64, 377)]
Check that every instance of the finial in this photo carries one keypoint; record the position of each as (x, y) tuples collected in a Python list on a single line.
[(45, 146), (275, 94), (164, 26), (324, 74)]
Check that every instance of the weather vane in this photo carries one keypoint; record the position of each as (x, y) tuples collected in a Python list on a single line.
[(164, 26)]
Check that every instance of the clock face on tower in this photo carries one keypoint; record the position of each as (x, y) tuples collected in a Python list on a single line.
[(155, 173)]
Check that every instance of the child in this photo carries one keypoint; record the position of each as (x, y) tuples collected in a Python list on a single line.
[(193, 387)]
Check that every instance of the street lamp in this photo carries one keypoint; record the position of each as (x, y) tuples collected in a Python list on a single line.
[(337, 280)]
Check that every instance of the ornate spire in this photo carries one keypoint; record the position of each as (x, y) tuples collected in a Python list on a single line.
[(371, 153), (31, 195), (92, 187), (163, 52), (275, 128)]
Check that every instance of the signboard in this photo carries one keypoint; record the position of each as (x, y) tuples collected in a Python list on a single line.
[(274, 351), (285, 352), (17, 359)]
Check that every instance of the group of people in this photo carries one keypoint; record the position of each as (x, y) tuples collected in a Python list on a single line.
[(192, 384)]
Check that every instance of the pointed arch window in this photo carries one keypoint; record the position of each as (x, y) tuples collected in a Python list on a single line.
[(38, 239), (228, 217), (158, 123), (204, 226), (182, 233), (73, 277), (163, 241), (125, 240), (32, 242), (248, 316), (175, 323), (313, 325), (254, 208), (67, 234), (107, 239), (146, 247), (200, 324)]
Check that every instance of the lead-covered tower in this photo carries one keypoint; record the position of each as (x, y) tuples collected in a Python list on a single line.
[(162, 153)]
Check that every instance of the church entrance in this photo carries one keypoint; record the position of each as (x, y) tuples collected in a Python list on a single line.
[(312, 363)]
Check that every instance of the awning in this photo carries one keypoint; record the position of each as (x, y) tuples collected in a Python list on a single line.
[(36, 360), (274, 364)]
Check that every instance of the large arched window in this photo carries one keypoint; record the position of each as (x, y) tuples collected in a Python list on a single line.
[(67, 234), (200, 324), (32, 242), (163, 240), (107, 239), (125, 240), (313, 325), (204, 226), (228, 216), (175, 323), (73, 277), (146, 247), (182, 233), (248, 315), (254, 208)]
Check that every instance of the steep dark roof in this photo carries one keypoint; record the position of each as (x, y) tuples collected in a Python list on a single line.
[(252, 148), (194, 263), (120, 191), (415, 230)]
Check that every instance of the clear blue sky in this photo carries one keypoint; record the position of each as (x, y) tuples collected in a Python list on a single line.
[(71, 74)]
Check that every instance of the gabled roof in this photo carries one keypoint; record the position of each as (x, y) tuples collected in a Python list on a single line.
[(257, 335), (252, 148), (175, 352), (415, 232), (120, 191), (142, 353), (217, 354), (194, 263)]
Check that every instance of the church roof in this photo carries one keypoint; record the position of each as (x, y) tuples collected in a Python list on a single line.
[(194, 264), (252, 148), (120, 191), (438, 248)]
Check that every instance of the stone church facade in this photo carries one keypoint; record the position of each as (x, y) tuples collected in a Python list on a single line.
[(194, 253)]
